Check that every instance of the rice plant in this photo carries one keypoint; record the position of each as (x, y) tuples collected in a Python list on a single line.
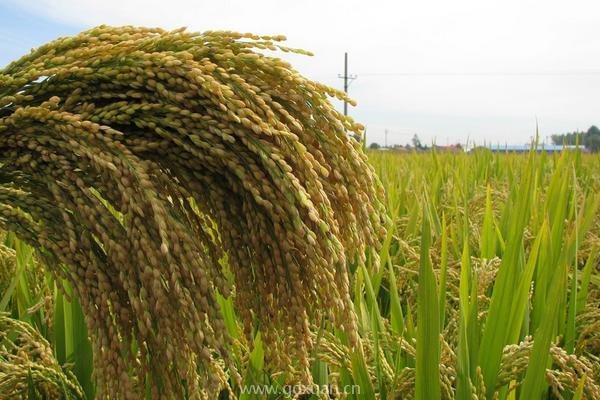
[(513, 242), (136, 161)]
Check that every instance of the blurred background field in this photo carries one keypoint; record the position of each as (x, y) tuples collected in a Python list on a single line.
[(489, 287)]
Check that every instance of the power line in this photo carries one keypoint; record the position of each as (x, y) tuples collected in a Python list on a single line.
[(487, 73)]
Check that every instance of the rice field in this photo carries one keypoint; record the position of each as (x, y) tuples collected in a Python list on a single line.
[(487, 288), (184, 217)]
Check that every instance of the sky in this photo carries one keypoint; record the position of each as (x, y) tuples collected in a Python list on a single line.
[(448, 71)]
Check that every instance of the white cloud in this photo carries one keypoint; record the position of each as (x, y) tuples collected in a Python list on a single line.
[(512, 36)]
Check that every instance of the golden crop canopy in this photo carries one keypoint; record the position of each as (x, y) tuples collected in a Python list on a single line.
[(157, 171)]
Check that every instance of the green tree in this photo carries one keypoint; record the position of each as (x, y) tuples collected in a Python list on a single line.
[(592, 139), (416, 142)]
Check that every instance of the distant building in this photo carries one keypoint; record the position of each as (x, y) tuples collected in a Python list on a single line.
[(394, 148), (400, 148), (524, 148), (453, 148)]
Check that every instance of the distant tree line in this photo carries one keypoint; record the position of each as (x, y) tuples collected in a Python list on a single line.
[(590, 138), (416, 144)]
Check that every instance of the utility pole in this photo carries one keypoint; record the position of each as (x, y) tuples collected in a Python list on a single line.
[(347, 81), (386, 133)]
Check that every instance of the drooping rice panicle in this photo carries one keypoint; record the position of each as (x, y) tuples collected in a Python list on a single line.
[(137, 159)]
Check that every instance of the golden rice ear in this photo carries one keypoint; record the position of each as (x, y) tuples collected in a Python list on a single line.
[(28, 365), (141, 160)]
